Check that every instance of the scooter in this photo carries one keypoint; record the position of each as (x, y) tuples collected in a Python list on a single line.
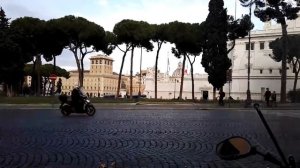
[(238, 147), (67, 107)]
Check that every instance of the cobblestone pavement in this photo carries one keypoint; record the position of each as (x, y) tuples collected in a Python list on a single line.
[(138, 138)]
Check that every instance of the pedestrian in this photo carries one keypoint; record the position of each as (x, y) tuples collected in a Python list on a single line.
[(221, 97), (267, 97), (273, 98), (58, 86)]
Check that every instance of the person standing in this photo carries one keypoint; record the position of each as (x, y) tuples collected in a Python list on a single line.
[(273, 98), (267, 97), (221, 97), (58, 86)]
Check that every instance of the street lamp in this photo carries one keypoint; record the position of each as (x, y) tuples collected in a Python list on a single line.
[(175, 88), (248, 100), (140, 76)]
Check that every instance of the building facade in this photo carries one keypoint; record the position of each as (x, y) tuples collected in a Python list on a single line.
[(100, 80), (264, 71), (168, 87)]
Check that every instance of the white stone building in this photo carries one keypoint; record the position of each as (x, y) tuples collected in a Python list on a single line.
[(264, 71), (168, 87)]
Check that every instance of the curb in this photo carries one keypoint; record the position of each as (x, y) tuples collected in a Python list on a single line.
[(137, 106)]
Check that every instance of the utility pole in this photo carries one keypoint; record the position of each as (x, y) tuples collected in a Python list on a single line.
[(140, 72), (248, 100)]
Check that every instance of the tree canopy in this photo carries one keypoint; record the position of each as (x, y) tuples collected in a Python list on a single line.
[(81, 38), (160, 35), (29, 34), (188, 41), (278, 10), (47, 70), (133, 34), (293, 55), (214, 59), (11, 66)]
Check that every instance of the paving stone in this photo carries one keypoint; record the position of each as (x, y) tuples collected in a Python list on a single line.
[(166, 138)]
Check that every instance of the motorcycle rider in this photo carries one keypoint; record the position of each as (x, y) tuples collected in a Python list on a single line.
[(77, 98)]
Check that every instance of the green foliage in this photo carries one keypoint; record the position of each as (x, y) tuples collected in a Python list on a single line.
[(133, 34), (277, 10), (280, 11), (81, 38), (12, 64), (186, 37), (240, 27), (136, 33), (81, 32), (111, 41), (47, 70), (293, 55), (29, 35), (293, 48), (4, 21), (54, 40), (214, 58), (160, 32)]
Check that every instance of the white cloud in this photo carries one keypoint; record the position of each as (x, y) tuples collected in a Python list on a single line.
[(102, 2)]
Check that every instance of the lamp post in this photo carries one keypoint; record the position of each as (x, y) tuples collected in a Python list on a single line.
[(140, 73), (248, 100), (175, 88), (98, 94)]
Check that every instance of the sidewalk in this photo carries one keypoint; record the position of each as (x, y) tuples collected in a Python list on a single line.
[(154, 106)]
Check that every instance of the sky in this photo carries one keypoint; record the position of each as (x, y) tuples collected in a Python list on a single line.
[(107, 13)]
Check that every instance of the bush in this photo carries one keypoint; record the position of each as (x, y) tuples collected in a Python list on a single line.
[(291, 95)]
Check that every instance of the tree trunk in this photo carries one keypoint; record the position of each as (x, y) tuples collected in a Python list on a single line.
[(33, 79), (120, 75), (121, 69), (192, 75), (50, 86), (140, 76), (39, 63), (295, 87), (284, 56), (159, 44), (131, 71), (8, 91), (182, 76), (81, 71), (54, 64), (83, 52), (44, 86), (54, 72), (296, 65), (214, 93), (74, 50)]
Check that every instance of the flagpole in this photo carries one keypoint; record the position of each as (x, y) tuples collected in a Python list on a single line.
[(235, 11), (168, 65)]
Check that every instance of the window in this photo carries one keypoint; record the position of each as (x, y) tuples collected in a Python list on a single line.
[(100, 61), (270, 70), (261, 71), (280, 71), (247, 46), (262, 45)]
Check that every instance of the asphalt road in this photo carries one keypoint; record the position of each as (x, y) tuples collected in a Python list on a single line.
[(143, 137)]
